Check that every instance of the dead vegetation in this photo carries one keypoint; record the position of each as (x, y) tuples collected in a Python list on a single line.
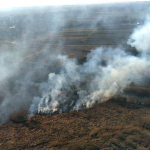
[(110, 125), (20, 116)]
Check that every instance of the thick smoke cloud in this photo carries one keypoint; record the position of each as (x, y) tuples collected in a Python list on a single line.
[(100, 81), (140, 39), (70, 86)]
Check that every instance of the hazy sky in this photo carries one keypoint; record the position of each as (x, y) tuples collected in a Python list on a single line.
[(19, 3)]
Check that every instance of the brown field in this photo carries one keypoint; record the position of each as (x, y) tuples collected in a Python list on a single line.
[(110, 125)]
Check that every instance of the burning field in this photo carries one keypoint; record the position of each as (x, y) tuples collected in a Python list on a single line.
[(109, 125), (66, 79)]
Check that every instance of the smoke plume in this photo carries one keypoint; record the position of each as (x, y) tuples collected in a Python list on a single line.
[(140, 39), (94, 81), (97, 82), (70, 86)]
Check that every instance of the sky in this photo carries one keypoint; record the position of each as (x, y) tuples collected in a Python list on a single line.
[(6, 4)]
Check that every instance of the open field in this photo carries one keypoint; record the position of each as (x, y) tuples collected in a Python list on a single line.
[(78, 29), (111, 125), (38, 35)]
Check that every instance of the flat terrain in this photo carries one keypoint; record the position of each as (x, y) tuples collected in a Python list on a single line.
[(73, 30), (41, 33), (110, 125)]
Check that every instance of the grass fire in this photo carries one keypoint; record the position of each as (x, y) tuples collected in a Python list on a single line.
[(75, 77)]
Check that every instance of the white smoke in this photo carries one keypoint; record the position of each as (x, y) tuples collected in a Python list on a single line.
[(140, 39), (58, 85), (101, 81), (70, 86), (9, 64)]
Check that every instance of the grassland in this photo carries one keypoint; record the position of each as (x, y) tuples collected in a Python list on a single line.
[(42, 33), (111, 125)]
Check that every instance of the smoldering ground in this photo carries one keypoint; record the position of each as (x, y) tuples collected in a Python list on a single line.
[(70, 86)]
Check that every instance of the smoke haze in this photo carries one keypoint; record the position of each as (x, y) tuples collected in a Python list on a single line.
[(70, 85), (102, 82)]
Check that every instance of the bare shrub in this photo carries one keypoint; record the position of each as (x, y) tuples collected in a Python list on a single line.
[(143, 122), (146, 101), (145, 138), (94, 132), (20, 116), (83, 145), (114, 141), (59, 143), (130, 143), (133, 99), (120, 135)]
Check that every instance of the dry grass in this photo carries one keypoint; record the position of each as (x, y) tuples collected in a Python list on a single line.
[(110, 125), (20, 116), (59, 143), (144, 122)]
